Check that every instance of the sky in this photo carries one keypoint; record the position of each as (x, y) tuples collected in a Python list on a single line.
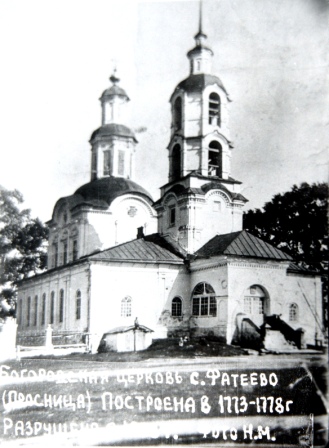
[(57, 55)]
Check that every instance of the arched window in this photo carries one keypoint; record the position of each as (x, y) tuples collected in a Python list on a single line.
[(28, 319), (43, 309), (204, 300), (61, 305), (176, 162), (52, 307), (293, 312), (176, 307), (126, 307), (178, 114), (78, 305), (254, 301), (215, 159), (35, 321), (214, 109)]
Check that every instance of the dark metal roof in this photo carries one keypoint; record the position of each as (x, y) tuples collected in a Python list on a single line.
[(297, 269), (197, 83), (215, 185), (130, 328), (101, 192), (114, 91), (108, 130), (241, 244), (198, 49), (138, 250)]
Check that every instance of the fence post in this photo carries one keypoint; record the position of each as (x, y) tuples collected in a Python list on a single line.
[(49, 339)]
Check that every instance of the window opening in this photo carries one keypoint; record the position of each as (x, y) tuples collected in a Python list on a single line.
[(19, 312), (28, 320), (43, 309), (94, 165), (61, 305), (176, 307), (55, 255), (176, 162), (215, 159), (293, 312), (214, 109), (65, 252), (172, 216), (121, 162), (126, 307), (107, 163), (204, 300), (52, 307), (78, 305), (35, 311), (75, 250), (178, 113)]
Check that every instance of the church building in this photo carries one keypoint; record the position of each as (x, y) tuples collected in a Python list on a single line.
[(182, 265)]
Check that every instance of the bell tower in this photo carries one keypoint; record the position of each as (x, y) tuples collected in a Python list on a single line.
[(113, 144), (201, 199)]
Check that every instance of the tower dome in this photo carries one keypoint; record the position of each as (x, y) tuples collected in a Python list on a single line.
[(113, 144)]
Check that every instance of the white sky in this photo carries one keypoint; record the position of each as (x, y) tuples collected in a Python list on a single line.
[(57, 55)]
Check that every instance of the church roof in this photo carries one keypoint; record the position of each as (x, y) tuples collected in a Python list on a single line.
[(101, 192), (197, 83), (139, 250), (114, 91), (241, 244), (214, 185), (126, 329), (113, 129)]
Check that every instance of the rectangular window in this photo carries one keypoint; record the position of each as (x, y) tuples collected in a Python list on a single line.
[(121, 163), (61, 306), (213, 307), (75, 250), (172, 216), (35, 311), (43, 310), (204, 306), (195, 306), (28, 319), (258, 307), (107, 168)]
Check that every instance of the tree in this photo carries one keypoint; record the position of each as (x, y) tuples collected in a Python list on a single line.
[(296, 222), (22, 244)]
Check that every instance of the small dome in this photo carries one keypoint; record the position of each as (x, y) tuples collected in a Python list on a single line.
[(119, 130), (198, 49), (114, 91), (197, 83), (106, 189)]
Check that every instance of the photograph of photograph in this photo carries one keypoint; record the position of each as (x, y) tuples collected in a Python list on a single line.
[(164, 223)]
